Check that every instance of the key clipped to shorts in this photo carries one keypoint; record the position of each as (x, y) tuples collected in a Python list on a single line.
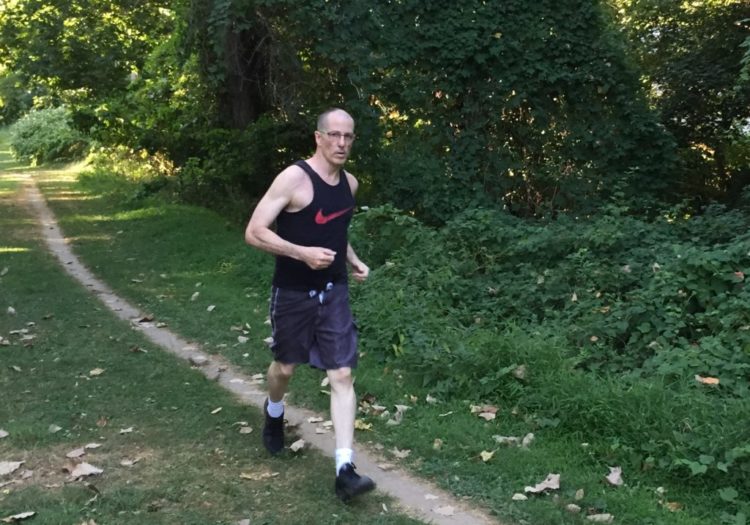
[(321, 294)]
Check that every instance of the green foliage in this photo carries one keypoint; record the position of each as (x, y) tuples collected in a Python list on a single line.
[(694, 56), (15, 100), (531, 105), (46, 135), (652, 304)]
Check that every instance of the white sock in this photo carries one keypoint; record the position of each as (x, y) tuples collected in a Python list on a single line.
[(343, 456), (275, 408)]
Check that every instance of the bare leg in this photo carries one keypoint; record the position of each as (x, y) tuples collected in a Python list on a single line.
[(343, 406), (278, 377)]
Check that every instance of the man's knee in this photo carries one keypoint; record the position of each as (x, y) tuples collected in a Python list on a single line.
[(340, 378), (281, 370)]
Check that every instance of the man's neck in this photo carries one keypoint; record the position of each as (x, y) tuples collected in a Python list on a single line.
[(324, 168)]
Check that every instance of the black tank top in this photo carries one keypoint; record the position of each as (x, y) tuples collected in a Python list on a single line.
[(324, 222)]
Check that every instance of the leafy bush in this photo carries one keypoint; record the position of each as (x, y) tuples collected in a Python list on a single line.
[(612, 318), (46, 135)]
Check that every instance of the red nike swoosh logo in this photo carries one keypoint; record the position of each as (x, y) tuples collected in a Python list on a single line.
[(322, 219)]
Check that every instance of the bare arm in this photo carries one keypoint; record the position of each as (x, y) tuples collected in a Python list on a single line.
[(259, 234), (360, 270)]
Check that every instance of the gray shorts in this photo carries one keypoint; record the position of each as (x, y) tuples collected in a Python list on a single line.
[(314, 327)]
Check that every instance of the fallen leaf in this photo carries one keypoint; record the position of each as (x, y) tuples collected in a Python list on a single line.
[(194, 296), (244, 522), (7, 467), (673, 506), (268, 340), (486, 455), (401, 454), (573, 508), (18, 517), (96, 372), (11, 310), (527, 440), (4, 271), (297, 445), (258, 476), (520, 372), (386, 466), (211, 308), (3, 434), (129, 462), (146, 318), (445, 511), (437, 444), (92, 445), (430, 497), (551, 482), (487, 416), (246, 430), (242, 339), (84, 469), (77, 453), (314, 419), (615, 476), (361, 425), (53, 429), (601, 518), (198, 360), (126, 430), (431, 400), (507, 440), (216, 410), (519, 497), (579, 495), (707, 380)]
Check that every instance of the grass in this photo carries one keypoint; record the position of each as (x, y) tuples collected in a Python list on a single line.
[(188, 460), (160, 255)]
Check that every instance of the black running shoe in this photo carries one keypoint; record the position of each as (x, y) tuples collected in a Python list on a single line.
[(273, 432), (350, 484)]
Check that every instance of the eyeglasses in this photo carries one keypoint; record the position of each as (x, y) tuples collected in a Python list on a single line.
[(336, 136)]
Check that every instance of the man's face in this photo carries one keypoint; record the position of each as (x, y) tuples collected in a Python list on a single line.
[(335, 140)]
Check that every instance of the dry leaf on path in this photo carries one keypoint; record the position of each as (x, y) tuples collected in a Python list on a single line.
[(315, 419), (551, 482), (445, 511), (77, 453), (126, 430), (7, 467), (297, 445), (615, 476), (431, 496), (246, 430), (18, 517), (386, 466)]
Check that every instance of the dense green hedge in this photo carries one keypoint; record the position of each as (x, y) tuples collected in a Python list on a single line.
[(612, 316)]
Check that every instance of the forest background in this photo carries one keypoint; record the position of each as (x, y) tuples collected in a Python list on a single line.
[(569, 171)]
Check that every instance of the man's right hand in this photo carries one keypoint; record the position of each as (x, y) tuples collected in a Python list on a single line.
[(316, 257)]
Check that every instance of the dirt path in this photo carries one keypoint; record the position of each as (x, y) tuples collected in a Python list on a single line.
[(416, 497)]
